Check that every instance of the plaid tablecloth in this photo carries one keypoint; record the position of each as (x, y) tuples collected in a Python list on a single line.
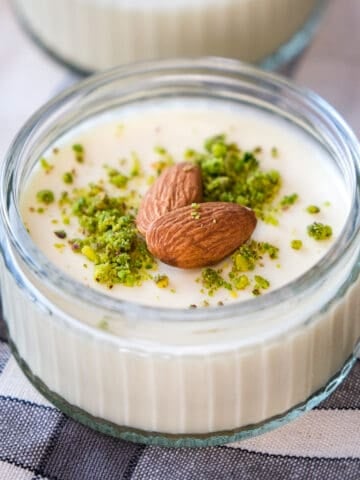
[(38, 442)]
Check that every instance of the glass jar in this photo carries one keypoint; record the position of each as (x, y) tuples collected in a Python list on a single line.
[(91, 35), (178, 376)]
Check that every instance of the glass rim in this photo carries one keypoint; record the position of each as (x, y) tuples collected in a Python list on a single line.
[(63, 284)]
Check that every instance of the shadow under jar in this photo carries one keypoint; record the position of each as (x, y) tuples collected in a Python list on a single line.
[(180, 376)]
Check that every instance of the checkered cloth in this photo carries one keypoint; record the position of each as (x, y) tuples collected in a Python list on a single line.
[(38, 442)]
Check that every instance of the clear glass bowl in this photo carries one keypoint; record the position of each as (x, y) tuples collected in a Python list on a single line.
[(181, 377), (90, 35)]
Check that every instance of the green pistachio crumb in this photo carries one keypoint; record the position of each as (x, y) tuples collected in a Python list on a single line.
[(40, 210), (195, 211), (206, 303), (271, 220), (45, 165), (319, 231), (89, 253), (241, 282), (327, 204), (274, 152), (261, 282), (160, 150), (64, 199), (219, 149), (78, 148), (150, 180), (79, 151), (189, 154), (288, 200), (45, 196), (136, 165), (119, 130), (117, 178), (256, 292), (312, 209), (296, 244), (103, 324), (212, 280), (165, 160), (68, 177), (162, 281), (59, 246), (250, 254)]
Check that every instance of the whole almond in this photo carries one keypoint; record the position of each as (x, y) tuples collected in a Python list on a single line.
[(200, 235), (177, 186)]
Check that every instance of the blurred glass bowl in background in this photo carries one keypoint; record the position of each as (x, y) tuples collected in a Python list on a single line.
[(91, 35)]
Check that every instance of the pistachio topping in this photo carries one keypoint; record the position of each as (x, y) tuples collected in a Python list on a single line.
[(212, 280), (45, 165), (117, 178), (162, 281), (110, 238), (195, 211), (274, 152), (231, 175), (319, 231), (313, 209), (296, 244), (240, 282), (79, 151), (103, 324), (45, 196), (288, 200), (165, 160), (68, 178), (248, 256), (261, 283)]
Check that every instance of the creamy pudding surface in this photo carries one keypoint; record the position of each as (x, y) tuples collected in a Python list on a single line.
[(123, 153)]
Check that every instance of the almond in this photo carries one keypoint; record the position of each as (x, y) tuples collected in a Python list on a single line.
[(200, 235), (177, 186)]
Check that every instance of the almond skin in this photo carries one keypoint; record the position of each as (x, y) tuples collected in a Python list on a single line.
[(177, 186), (180, 239)]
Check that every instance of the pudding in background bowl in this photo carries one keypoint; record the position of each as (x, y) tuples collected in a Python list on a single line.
[(140, 361), (96, 34)]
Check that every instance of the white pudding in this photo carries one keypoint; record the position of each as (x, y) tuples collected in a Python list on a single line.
[(137, 358), (97, 34)]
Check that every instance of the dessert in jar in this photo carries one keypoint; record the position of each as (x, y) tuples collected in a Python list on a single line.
[(124, 327), (98, 34)]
